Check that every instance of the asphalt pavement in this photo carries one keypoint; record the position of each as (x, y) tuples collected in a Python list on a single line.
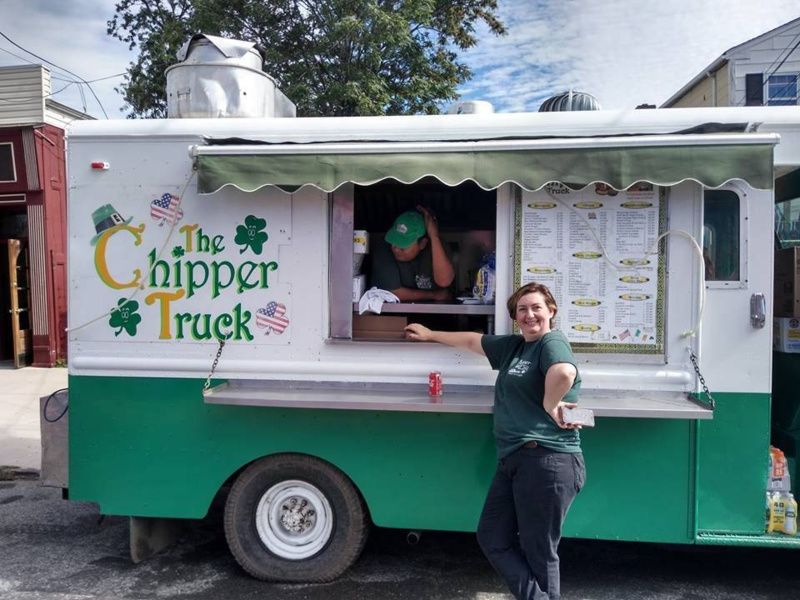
[(20, 390), (53, 549)]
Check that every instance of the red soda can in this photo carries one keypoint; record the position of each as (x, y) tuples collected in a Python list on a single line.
[(435, 383)]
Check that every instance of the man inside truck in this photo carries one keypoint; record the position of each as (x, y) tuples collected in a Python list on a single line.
[(413, 263)]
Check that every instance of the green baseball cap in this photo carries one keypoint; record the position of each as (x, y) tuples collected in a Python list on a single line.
[(407, 229)]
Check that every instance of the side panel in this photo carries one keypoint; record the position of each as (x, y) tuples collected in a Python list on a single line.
[(151, 447), (639, 483), (733, 462)]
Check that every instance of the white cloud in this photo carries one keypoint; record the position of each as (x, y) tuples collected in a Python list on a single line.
[(75, 39), (624, 52), (530, 63)]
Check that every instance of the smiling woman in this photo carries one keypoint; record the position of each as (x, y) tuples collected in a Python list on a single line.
[(534, 309), (540, 466)]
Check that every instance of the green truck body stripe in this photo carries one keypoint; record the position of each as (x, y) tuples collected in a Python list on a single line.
[(152, 447)]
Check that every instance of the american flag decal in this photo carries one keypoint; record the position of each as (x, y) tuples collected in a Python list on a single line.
[(166, 209), (272, 318)]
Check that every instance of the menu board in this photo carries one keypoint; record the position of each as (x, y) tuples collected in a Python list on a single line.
[(592, 247)]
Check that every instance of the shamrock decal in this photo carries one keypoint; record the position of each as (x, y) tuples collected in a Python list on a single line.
[(251, 235), (178, 251), (124, 317)]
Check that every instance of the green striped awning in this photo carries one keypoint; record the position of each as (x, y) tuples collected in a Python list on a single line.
[(711, 160)]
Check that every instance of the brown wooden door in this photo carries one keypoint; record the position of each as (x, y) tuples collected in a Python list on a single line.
[(19, 295)]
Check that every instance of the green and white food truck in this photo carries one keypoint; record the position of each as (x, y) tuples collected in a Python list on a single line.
[(653, 228)]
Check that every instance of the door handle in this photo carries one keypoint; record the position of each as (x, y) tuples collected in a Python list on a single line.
[(758, 311)]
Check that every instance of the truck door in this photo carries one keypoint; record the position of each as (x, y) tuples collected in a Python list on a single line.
[(738, 244), (736, 359)]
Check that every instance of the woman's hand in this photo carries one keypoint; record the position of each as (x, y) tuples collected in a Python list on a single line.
[(557, 414), (418, 333), (465, 340)]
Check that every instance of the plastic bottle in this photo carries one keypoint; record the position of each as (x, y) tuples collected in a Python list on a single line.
[(790, 519), (777, 513), (766, 512), (779, 480)]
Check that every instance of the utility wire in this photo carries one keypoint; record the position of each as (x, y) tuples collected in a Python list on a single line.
[(50, 95), (30, 62), (781, 64), (767, 75), (22, 58), (106, 77), (58, 67), (778, 57), (90, 80)]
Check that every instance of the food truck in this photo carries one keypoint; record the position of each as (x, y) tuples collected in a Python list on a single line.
[(216, 347)]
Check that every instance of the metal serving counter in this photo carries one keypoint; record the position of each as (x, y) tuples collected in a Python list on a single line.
[(456, 399), (434, 308)]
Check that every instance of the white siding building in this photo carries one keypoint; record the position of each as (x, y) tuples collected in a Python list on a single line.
[(760, 71)]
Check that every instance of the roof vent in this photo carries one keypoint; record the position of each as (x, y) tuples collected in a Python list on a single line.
[(219, 77), (471, 107), (570, 100)]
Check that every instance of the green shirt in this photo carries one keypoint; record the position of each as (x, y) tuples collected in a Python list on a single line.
[(519, 414), (388, 273)]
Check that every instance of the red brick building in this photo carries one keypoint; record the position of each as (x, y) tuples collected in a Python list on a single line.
[(33, 204)]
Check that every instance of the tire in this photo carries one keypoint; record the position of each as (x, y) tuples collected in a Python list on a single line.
[(294, 518)]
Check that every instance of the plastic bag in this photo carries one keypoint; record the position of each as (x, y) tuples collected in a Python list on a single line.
[(485, 280)]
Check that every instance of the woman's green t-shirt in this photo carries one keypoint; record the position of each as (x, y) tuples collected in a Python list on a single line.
[(519, 414)]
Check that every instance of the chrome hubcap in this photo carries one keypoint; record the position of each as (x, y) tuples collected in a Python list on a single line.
[(294, 519)]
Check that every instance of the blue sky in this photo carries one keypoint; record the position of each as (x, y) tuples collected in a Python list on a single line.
[(625, 52)]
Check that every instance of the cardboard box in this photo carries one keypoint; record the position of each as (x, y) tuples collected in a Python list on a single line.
[(379, 327), (359, 287), (787, 282), (786, 334)]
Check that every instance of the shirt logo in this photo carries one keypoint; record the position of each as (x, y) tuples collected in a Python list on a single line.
[(518, 367), (423, 282)]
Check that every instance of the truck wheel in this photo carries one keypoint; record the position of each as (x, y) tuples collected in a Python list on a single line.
[(294, 518)]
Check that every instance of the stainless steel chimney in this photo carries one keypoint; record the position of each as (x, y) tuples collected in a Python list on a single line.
[(218, 77)]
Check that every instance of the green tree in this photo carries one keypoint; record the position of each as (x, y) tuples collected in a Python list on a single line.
[(330, 57)]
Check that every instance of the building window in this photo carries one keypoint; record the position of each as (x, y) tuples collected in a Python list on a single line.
[(754, 89), (782, 90), (8, 171)]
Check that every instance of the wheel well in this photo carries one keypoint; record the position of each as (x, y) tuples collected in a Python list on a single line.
[(218, 502)]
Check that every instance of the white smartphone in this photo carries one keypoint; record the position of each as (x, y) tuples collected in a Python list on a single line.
[(578, 416)]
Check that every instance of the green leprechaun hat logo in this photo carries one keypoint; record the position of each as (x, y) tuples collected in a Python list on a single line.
[(105, 218)]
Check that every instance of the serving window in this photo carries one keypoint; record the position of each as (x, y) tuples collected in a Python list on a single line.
[(466, 218)]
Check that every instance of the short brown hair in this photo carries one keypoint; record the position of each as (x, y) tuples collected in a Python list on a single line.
[(530, 288)]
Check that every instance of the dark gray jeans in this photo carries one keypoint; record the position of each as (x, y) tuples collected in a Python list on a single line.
[(520, 525)]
